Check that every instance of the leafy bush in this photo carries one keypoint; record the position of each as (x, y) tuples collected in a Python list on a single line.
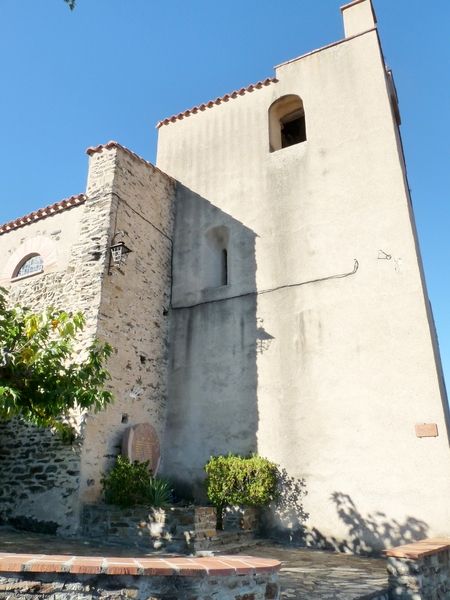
[(41, 379), (235, 480), (130, 484)]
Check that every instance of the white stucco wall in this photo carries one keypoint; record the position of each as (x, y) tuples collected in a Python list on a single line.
[(339, 371)]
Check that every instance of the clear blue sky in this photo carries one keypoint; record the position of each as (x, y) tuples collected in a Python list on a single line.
[(112, 68)]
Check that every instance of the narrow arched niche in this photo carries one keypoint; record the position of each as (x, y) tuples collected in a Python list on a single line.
[(216, 272), (287, 125)]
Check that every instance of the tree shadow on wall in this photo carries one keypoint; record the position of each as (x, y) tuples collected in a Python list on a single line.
[(367, 534), (285, 519)]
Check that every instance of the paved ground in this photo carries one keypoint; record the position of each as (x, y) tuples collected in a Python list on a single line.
[(312, 574), (305, 574)]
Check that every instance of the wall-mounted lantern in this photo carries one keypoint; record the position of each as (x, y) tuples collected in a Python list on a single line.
[(118, 254)]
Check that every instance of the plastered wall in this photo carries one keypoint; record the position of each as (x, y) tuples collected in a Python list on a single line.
[(340, 365), (53, 238)]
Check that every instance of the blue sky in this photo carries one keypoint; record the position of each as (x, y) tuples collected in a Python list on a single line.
[(112, 68)]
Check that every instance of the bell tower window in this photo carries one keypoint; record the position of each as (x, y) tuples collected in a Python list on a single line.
[(287, 124)]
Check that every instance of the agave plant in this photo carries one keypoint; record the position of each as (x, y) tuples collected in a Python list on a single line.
[(159, 492)]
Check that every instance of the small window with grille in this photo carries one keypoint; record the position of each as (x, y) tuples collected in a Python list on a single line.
[(30, 265)]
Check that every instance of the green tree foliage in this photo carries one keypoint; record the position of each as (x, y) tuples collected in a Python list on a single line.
[(40, 380), (131, 484), (235, 480)]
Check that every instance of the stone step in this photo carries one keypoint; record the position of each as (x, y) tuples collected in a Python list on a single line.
[(382, 594), (227, 541)]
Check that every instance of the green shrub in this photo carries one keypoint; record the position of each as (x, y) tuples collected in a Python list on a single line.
[(235, 480), (130, 484)]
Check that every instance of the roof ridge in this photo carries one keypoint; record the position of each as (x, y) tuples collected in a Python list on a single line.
[(42, 213), (219, 100), (113, 144)]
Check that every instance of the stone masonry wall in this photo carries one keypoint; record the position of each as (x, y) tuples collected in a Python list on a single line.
[(49, 498), (37, 471), (426, 578), (133, 311), (127, 306), (177, 529), (63, 586)]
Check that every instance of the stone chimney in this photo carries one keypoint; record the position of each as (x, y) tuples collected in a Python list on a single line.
[(359, 16)]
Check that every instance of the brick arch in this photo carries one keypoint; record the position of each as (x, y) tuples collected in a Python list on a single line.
[(36, 245)]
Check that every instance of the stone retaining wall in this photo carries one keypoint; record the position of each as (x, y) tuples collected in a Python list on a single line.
[(37, 470), (383, 595), (420, 571), (23, 577), (237, 518), (175, 529)]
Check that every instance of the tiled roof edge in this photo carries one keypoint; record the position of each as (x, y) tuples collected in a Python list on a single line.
[(42, 213), (211, 103), (112, 144)]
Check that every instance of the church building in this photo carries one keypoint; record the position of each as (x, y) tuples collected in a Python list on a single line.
[(263, 290)]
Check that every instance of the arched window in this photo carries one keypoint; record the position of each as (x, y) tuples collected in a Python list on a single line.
[(216, 264), (30, 265), (287, 125)]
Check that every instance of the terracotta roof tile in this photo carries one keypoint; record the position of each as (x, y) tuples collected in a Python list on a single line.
[(42, 213), (211, 103), (112, 144)]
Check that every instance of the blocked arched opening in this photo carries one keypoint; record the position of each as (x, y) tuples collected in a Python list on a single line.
[(287, 124)]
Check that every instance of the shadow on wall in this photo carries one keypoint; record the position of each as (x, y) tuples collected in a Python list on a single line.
[(368, 534), (214, 342), (286, 518)]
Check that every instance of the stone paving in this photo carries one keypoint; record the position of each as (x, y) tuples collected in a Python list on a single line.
[(312, 574), (305, 575)]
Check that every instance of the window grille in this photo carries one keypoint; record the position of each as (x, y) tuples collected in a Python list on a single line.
[(33, 264)]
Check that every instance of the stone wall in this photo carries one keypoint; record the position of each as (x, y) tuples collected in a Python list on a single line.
[(73, 286), (52, 238), (133, 307), (126, 306), (427, 578), (176, 529), (86, 578), (238, 587), (37, 471), (239, 517), (376, 596), (420, 570)]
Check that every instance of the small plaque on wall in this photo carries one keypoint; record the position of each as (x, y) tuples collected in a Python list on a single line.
[(140, 443), (426, 430)]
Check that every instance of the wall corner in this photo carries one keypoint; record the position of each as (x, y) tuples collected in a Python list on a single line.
[(358, 16)]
